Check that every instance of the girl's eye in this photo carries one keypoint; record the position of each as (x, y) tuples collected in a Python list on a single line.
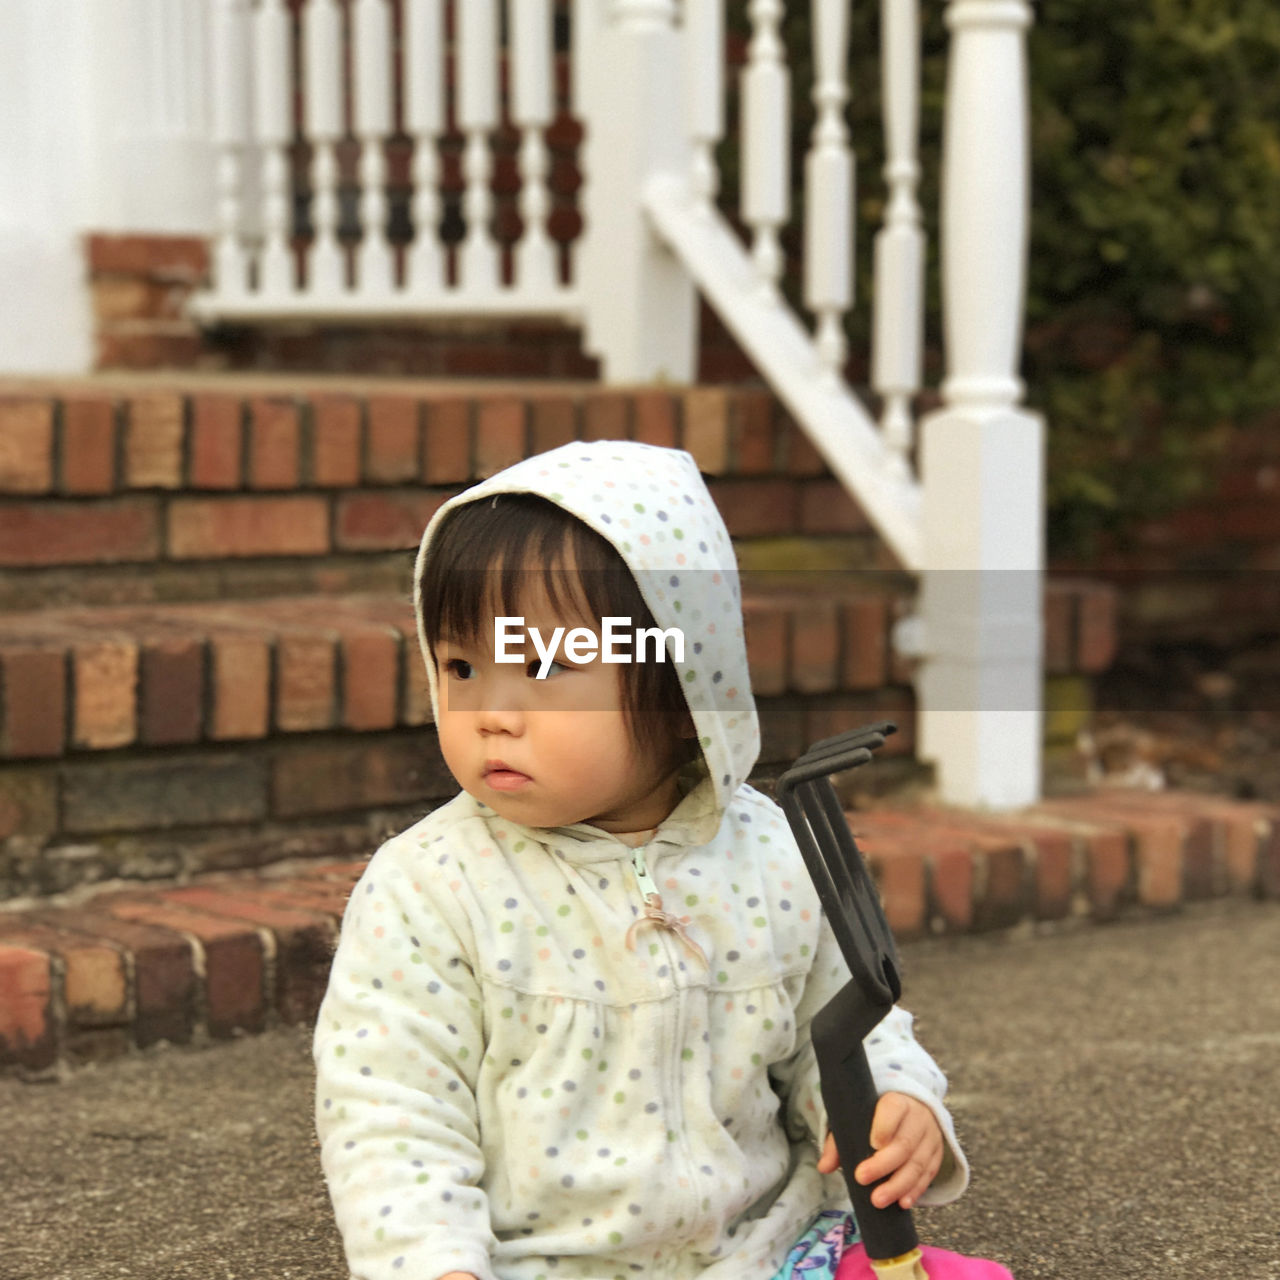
[(459, 668), (553, 669)]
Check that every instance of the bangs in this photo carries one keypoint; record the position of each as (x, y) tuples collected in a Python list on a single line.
[(491, 558)]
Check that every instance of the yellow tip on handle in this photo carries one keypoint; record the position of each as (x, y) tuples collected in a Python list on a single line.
[(908, 1266)]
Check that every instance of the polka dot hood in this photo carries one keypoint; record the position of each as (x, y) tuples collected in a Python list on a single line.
[(651, 504), (521, 1076)]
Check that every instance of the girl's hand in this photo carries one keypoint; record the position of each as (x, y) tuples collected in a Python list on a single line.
[(908, 1144)]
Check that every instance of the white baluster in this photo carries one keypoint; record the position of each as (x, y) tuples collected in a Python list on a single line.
[(829, 179), (985, 207), (704, 49), (898, 328), (531, 109), (322, 29), (273, 118), (477, 112), (375, 264), (766, 130), (230, 137), (424, 119)]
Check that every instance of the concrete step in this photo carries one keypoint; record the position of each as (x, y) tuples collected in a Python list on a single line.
[(114, 972)]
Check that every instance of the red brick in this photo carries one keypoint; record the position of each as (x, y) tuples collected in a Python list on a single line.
[(1096, 628), (900, 876), (180, 258), (864, 662), (164, 976), (1004, 898), (50, 532), (303, 944), (305, 683), (1059, 630), (416, 709), (752, 508), (826, 507), (33, 693), (171, 699), (97, 982), (766, 637), (1053, 875), (234, 967), (706, 428), (446, 454), (104, 682), (316, 779), (88, 446), (274, 444), (800, 456), (814, 649), (159, 344), (500, 435), (26, 445), (241, 700), (153, 442), (754, 438), (216, 442), (214, 528), (394, 446), (951, 888), (1158, 853), (335, 462), (656, 418), (386, 521), (553, 422), (1107, 875), (606, 416), (370, 679), (28, 1032)]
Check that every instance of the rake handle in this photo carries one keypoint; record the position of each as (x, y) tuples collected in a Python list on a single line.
[(849, 1093)]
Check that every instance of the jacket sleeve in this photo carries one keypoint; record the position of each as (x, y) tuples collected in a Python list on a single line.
[(398, 1045), (899, 1064)]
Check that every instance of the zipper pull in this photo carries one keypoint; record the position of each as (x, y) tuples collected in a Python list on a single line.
[(647, 887)]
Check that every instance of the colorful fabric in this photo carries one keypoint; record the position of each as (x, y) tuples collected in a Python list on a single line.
[(938, 1264), (817, 1254)]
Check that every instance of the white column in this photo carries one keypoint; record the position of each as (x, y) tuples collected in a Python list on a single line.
[(766, 141), (704, 75), (273, 131), (322, 54), (477, 113), (46, 321), (640, 306), (375, 264), (231, 139), (424, 120), (532, 72), (980, 685)]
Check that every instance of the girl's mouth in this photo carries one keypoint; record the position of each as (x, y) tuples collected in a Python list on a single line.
[(500, 778)]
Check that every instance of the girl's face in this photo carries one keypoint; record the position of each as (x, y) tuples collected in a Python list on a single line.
[(549, 752)]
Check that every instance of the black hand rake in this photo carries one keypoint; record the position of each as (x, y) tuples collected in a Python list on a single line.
[(852, 906)]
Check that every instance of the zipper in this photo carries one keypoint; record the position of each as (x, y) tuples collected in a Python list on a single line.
[(644, 879)]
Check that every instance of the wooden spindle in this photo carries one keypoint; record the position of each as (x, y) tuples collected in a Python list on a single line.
[(477, 112), (274, 130), (230, 139), (829, 179), (322, 51), (375, 264), (531, 109), (766, 134), (424, 119), (704, 47), (898, 328)]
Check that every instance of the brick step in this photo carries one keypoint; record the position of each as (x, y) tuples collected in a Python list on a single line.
[(232, 954), (105, 678), (186, 474)]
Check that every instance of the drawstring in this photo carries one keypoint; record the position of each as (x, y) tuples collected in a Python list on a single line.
[(655, 917)]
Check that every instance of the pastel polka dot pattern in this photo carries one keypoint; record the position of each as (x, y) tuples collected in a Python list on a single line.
[(504, 1087)]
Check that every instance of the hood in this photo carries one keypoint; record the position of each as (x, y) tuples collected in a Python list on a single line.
[(651, 504)]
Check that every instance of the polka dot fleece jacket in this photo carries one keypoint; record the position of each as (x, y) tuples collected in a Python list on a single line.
[(504, 1088)]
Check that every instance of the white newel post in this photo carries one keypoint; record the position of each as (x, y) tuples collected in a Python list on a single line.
[(982, 454), (639, 305)]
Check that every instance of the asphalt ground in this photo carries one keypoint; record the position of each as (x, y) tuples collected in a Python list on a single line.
[(1117, 1089)]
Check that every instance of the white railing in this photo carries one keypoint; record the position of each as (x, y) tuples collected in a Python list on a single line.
[(648, 85)]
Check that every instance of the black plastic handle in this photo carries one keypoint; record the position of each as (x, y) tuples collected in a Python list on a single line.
[(849, 1093)]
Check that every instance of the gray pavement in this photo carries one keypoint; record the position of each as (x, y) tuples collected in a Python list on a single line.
[(1117, 1089)]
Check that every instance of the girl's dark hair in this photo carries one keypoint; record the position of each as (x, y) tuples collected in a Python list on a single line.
[(485, 556)]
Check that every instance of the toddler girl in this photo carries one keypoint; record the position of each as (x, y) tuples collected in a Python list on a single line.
[(567, 1028)]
